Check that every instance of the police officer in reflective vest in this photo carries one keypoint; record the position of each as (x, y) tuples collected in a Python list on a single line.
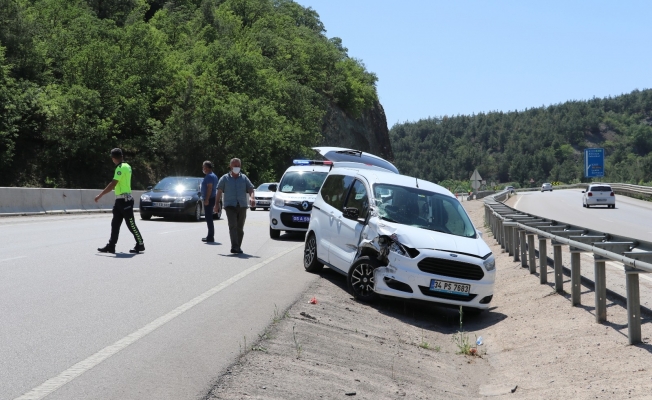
[(123, 209)]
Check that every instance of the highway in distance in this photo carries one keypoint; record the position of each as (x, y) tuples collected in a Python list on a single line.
[(78, 324), (630, 218)]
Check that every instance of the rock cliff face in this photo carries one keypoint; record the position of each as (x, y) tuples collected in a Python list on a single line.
[(368, 133)]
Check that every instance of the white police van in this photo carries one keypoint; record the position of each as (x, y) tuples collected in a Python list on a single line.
[(396, 235), (296, 192), (294, 195)]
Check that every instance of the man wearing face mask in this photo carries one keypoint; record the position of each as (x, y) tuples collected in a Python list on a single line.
[(238, 196)]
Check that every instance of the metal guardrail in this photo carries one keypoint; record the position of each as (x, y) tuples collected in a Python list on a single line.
[(514, 230)]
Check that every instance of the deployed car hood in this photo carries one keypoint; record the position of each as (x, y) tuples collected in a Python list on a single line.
[(419, 238), (340, 154)]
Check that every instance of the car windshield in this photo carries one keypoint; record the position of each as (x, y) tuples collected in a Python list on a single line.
[(422, 209), (177, 184), (307, 182), (263, 188), (600, 189)]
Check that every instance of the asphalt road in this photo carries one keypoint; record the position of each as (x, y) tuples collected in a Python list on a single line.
[(77, 324), (630, 218)]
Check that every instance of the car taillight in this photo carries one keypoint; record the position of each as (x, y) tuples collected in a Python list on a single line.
[(590, 194), (612, 193)]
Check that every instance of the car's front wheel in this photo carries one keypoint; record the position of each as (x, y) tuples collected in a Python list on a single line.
[(274, 233), (361, 279), (252, 208), (197, 215), (310, 261)]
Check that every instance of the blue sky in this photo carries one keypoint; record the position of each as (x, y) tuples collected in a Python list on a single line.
[(436, 58)]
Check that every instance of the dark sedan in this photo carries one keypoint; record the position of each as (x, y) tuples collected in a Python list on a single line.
[(174, 196)]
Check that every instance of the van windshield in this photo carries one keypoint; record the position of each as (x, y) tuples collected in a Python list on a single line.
[(422, 209), (307, 182)]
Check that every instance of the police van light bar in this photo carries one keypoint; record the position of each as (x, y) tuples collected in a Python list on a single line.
[(311, 162)]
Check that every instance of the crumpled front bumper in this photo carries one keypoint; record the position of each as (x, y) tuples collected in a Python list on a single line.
[(403, 278)]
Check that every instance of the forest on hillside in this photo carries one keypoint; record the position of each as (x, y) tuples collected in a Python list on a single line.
[(545, 144), (172, 82)]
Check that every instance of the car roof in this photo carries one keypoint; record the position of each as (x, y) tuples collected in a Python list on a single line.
[(341, 154), (390, 178), (317, 168)]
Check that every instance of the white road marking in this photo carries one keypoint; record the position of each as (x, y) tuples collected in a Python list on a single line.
[(14, 258), (519, 199), (78, 369)]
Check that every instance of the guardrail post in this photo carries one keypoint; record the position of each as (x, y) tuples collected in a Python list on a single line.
[(532, 256), (516, 242), (501, 231), (633, 306), (543, 261), (576, 277), (600, 289), (521, 235), (559, 274)]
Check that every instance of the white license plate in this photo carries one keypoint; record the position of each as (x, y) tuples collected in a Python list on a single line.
[(450, 287), (263, 202), (161, 204), (301, 218), (601, 199)]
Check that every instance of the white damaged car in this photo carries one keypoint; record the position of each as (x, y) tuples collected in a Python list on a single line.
[(394, 235)]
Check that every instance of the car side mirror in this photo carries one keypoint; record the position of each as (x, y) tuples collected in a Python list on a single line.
[(149, 187), (273, 188), (351, 213)]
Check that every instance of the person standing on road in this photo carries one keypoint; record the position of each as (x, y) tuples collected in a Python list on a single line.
[(236, 188), (209, 193), (123, 209)]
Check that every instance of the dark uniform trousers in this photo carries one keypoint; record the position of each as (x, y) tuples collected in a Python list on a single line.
[(124, 210), (236, 217)]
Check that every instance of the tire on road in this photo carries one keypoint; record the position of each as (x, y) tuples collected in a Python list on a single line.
[(361, 279), (310, 260)]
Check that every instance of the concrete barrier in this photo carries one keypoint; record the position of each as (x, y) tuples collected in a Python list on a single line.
[(29, 201), (61, 200), (20, 201), (88, 200)]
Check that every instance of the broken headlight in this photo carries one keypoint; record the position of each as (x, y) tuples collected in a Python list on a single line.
[(490, 264)]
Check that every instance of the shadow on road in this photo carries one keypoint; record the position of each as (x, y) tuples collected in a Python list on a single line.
[(423, 314)]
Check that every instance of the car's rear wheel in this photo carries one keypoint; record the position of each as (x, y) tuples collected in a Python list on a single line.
[(274, 233), (361, 279), (145, 216), (310, 261)]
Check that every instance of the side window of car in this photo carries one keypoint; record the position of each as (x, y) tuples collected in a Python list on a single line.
[(335, 189), (358, 198)]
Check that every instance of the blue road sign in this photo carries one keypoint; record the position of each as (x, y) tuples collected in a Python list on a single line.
[(593, 163)]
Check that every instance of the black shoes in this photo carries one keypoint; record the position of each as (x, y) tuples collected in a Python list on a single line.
[(208, 240), (109, 248), (237, 251), (138, 248)]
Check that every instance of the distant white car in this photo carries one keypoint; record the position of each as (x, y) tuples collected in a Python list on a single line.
[(546, 186), (263, 196), (599, 194)]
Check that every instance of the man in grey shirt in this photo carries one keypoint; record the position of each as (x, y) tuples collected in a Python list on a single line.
[(238, 196)]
